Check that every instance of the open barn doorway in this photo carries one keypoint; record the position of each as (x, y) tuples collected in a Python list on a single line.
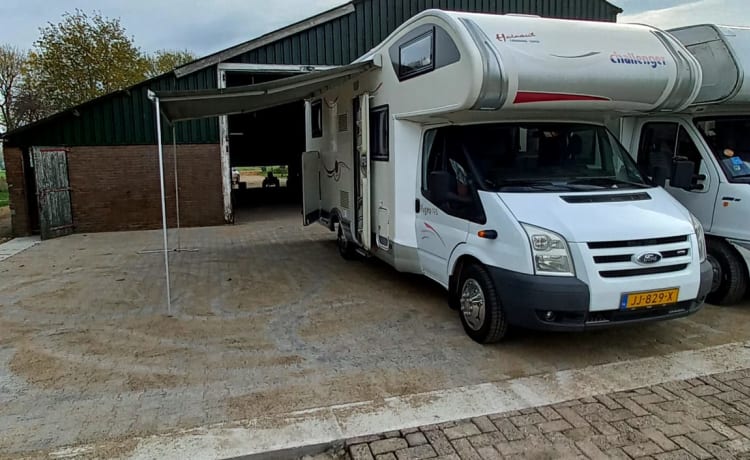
[(265, 148)]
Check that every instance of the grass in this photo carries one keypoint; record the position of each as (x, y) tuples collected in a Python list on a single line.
[(4, 200)]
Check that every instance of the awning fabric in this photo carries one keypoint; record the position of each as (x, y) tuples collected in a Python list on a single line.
[(189, 105)]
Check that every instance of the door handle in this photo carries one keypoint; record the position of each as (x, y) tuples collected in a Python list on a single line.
[(417, 206)]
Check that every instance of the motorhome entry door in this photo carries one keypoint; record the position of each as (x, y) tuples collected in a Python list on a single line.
[(361, 224)]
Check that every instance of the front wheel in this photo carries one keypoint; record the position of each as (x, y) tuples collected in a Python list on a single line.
[(346, 247), (729, 275), (480, 310)]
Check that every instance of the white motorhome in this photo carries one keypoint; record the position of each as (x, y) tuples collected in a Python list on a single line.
[(713, 133), (475, 152)]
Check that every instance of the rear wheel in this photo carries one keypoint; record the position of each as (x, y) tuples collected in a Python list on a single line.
[(729, 275), (481, 314), (346, 247)]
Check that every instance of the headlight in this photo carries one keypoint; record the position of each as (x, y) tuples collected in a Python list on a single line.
[(700, 236), (549, 252)]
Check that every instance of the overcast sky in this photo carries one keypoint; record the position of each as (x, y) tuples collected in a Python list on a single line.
[(207, 26)]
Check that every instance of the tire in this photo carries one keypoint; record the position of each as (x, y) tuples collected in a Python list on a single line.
[(492, 325), (730, 275), (346, 247)]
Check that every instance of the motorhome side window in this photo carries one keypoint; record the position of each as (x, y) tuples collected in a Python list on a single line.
[(417, 56), (316, 118), (661, 142), (379, 134)]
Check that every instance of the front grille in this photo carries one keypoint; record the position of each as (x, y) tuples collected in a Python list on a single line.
[(642, 271), (637, 243), (619, 259)]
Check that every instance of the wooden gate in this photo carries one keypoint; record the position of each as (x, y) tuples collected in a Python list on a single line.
[(53, 191)]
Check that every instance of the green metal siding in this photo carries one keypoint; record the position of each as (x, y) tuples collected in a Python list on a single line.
[(127, 117), (340, 41), (123, 118)]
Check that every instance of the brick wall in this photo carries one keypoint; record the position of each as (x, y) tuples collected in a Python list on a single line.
[(117, 187), (19, 213)]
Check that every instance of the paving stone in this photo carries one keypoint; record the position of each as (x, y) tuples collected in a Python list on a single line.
[(528, 419), (632, 406), (721, 386), (642, 449), (362, 439), (648, 399), (484, 424), (581, 434), (360, 452), (549, 413), (393, 434), (487, 439), (388, 456), (720, 452), (704, 390), (617, 454), (508, 429), (461, 431), (744, 430), (679, 454), (439, 442), (572, 417), (416, 453), (465, 450), (691, 447), (590, 450), (645, 421), (555, 425), (706, 437), (388, 445), (489, 453), (659, 438), (608, 402), (415, 439)]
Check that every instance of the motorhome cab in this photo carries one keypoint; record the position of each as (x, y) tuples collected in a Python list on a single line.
[(713, 133), (473, 150)]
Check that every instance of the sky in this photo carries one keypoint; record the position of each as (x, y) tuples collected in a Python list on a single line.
[(212, 25)]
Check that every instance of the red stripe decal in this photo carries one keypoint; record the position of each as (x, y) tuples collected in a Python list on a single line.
[(524, 97)]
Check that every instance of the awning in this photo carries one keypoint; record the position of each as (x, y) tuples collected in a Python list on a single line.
[(188, 105)]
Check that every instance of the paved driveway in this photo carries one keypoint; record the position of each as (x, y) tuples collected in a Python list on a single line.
[(268, 319)]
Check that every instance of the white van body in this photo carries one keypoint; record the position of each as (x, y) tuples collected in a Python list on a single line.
[(379, 157), (713, 133)]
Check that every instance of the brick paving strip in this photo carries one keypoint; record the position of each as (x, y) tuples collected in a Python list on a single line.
[(699, 418)]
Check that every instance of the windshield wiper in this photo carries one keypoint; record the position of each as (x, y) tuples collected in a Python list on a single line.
[(606, 182), (532, 184)]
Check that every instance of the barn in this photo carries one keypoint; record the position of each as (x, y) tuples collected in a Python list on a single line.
[(94, 167)]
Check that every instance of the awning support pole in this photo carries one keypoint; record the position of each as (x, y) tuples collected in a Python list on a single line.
[(176, 185), (163, 204)]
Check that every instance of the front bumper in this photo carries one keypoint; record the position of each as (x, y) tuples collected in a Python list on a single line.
[(527, 298)]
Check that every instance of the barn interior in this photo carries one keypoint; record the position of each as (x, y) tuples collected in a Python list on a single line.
[(267, 142)]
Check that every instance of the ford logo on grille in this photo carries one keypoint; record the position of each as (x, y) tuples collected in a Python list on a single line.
[(648, 258)]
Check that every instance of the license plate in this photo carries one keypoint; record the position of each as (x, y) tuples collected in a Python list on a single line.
[(650, 298)]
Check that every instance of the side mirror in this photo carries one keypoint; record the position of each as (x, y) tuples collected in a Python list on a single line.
[(438, 182), (682, 174)]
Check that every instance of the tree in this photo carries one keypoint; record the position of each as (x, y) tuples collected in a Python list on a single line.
[(164, 61), (81, 58), (11, 67)]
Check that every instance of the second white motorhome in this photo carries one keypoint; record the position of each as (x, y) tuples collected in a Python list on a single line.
[(713, 133), (475, 152)]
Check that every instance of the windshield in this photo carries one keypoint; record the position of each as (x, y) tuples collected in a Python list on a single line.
[(729, 140), (536, 157)]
